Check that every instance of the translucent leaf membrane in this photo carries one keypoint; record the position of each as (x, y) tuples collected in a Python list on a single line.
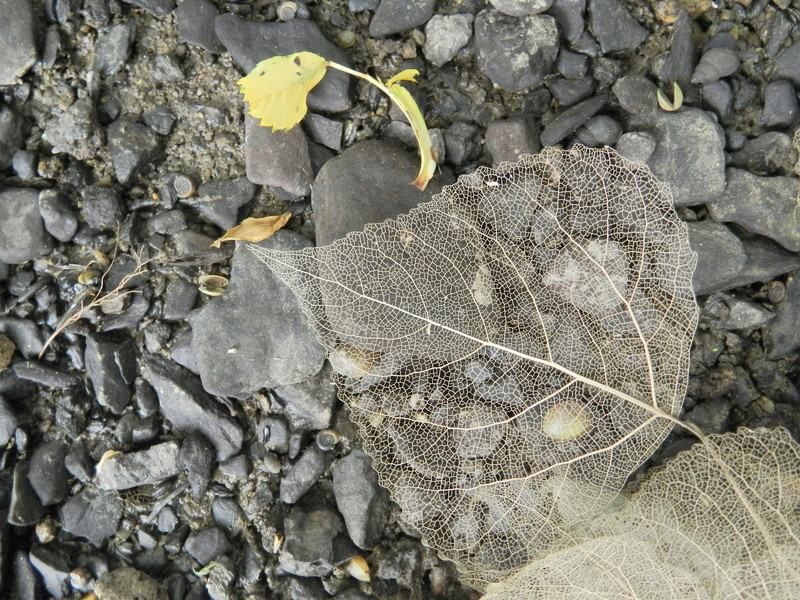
[(512, 350), (719, 521)]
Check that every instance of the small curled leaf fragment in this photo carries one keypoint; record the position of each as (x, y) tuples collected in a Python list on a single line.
[(203, 571), (277, 88), (677, 99), (254, 229), (212, 285)]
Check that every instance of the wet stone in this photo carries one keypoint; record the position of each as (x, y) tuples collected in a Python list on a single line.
[(394, 16), (219, 201), (359, 497), (22, 233), (113, 47), (508, 139), (445, 35), (516, 53), (188, 408), (309, 547), (614, 27), (277, 158), (206, 545), (132, 146), (196, 24), (8, 422), (17, 39), (303, 474), (92, 514), (47, 474), (132, 469), (111, 367), (59, 219)]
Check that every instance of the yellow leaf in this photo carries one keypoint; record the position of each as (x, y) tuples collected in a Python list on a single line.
[(675, 104), (407, 75), (405, 101), (276, 90), (254, 230)]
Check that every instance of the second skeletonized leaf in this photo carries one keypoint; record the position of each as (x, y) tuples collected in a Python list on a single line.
[(511, 349)]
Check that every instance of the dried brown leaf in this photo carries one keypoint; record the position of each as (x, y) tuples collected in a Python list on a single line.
[(254, 229)]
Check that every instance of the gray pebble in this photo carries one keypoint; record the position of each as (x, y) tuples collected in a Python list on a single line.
[(508, 139), (206, 545), (79, 463), (184, 404), (719, 97), (309, 547), (274, 434), (168, 222), (157, 8), (126, 583), (92, 514), (197, 459), (636, 94), (167, 69), (445, 35), (461, 142), (46, 472), (394, 16), (167, 520), (25, 335), (309, 404), (711, 416), (160, 119), (46, 375), (113, 47), (219, 201), (13, 131), (179, 299), (102, 207), (228, 515), (8, 422), (303, 474), (720, 256), (715, 64), (132, 469), (22, 233), (569, 15), (56, 212), (196, 24), (637, 146), (520, 8), (111, 367), (17, 39), (600, 130), (787, 64), (277, 158), (572, 118), (614, 27), (237, 467), (359, 5), (769, 153), (780, 104), (682, 51), (75, 131), (782, 336), (24, 508), (570, 91), (322, 130), (515, 53), (132, 146), (572, 65), (361, 500), (23, 162)]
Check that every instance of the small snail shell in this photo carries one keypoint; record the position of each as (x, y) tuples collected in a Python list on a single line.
[(567, 421), (185, 186), (327, 439), (287, 11)]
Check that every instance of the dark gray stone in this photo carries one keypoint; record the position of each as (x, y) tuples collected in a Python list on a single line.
[(614, 27), (769, 153), (689, 153), (361, 500), (219, 201), (25, 335), (79, 463), (197, 458), (57, 215), (520, 8), (228, 515), (719, 97), (179, 299), (47, 474), (303, 474), (309, 547), (715, 64), (780, 104), (25, 583), (196, 24), (572, 65), (167, 69), (742, 314), (160, 119), (168, 222), (274, 434), (394, 16), (682, 51), (8, 422), (24, 506), (787, 64), (17, 40), (569, 14), (445, 35), (232, 361), (572, 118), (567, 92), (359, 5), (782, 336), (637, 146), (157, 8), (46, 375), (345, 190), (22, 233), (763, 205), (132, 146), (720, 256), (327, 132), (13, 131), (600, 130), (237, 467), (132, 469), (102, 207), (250, 42), (75, 131), (508, 139), (189, 408), (92, 514), (461, 142), (206, 545), (309, 404), (636, 94), (710, 416), (53, 568), (113, 47), (111, 367), (515, 53), (277, 158)]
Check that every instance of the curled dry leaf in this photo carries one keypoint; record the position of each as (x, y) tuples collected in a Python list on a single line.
[(254, 229)]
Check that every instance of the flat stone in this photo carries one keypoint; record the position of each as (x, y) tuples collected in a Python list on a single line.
[(277, 158), (515, 53), (322, 130), (787, 64), (232, 361), (197, 459), (770, 153), (157, 8), (304, 473), (59, 219), (22, 233), (17, 40), (47, 474), (46, 375), (113, 47), (720, 256), (763, 205), (76, 131), (133, 469), (394, 16), (179, 300), (206, 545), (132, 146), (219, 201), (360, 498), (24, 507), (572, 118), (188, 408), (614, 27), (682, 51), (780, 104), (102, 207), (250, 42), (110, 366), (445, 35), (508, 139), (309, 404), (25, 335), (196, 24), (309, 548), (92, 514), (8, 422), (520, 8), (344, 192)]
